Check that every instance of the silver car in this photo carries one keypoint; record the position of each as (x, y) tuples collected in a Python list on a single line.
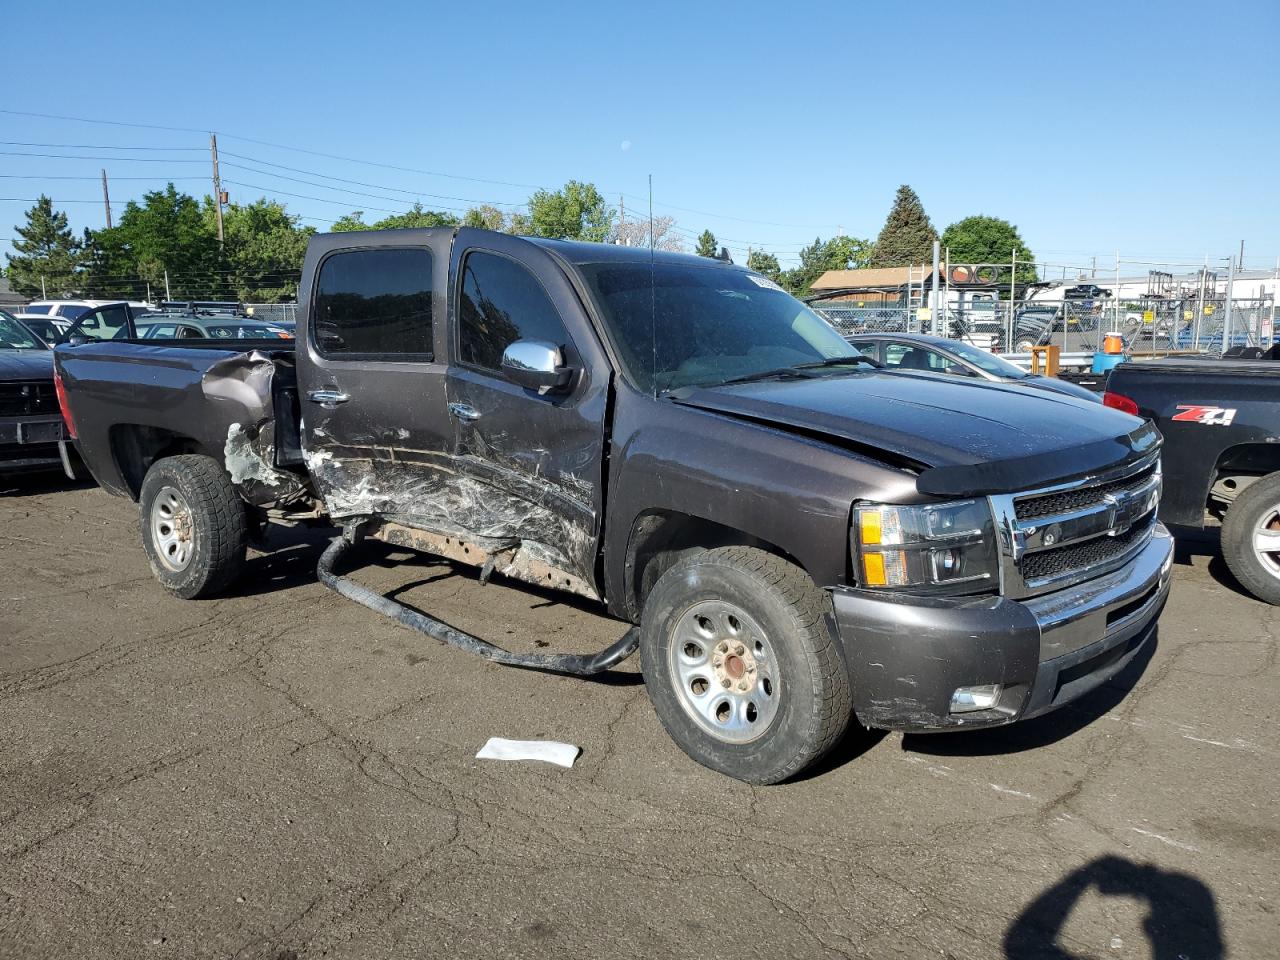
[(915, 351)]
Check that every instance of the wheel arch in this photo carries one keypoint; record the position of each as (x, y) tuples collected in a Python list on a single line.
[(135, 447), (659, 538)]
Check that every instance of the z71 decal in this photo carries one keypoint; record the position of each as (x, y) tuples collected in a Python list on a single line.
[(1214, 416)]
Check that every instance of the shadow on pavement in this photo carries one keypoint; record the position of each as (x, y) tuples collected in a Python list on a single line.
[(1181, 921), (1043, 730), (35, 484), (1190, 542)]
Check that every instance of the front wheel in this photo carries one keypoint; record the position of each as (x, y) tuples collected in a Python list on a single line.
[(740, 664), (194, 527), (1251, 538)]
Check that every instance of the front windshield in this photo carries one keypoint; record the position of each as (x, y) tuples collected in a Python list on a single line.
[(14, 336), (986, 360), (677, 325)]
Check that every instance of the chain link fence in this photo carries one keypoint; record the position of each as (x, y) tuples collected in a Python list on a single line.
[(1147, 325), (274, 312)]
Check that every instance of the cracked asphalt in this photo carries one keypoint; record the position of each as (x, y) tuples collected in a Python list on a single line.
[(283, 774)]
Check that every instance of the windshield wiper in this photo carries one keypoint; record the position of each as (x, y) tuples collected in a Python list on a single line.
[(837, 362), (797, 369)]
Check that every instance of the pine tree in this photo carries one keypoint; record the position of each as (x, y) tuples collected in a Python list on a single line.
[(48, 254), (907, 237), (707, 245)]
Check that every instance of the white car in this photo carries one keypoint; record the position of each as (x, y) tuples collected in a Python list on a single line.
[(72, 310)]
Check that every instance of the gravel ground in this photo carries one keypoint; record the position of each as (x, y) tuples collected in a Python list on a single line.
[(283, 774)]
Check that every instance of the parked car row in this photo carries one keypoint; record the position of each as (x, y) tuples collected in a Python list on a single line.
[(58, 321)]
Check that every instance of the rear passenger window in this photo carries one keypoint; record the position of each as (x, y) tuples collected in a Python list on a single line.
[(502, 302), (374, 303)]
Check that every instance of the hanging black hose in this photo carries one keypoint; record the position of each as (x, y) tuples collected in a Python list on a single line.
[(571, 663)]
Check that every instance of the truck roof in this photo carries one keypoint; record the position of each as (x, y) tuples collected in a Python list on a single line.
[(575, 251)]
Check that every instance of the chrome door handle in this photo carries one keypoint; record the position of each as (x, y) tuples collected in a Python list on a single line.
[(328, 398), (464, 411)]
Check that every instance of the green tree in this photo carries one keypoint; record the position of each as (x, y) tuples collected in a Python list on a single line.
[(352, 221), (263, 251), (166, 232), (417, 217), (980, 239), (707, 246), (576, 211), (48, 254), (485, 217), (907, 236), (765, 264), (838, 253)]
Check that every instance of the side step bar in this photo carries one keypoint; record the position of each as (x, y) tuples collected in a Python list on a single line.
[(570, 663)]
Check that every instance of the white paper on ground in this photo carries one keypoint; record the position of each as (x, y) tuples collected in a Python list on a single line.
[(552, 751)]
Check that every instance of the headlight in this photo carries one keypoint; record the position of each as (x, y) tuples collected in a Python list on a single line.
[(932, 546)]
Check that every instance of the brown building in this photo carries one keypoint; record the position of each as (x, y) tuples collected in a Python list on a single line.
[(871, 285)]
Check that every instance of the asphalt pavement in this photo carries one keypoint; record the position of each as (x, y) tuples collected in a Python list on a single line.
[(281, 773)]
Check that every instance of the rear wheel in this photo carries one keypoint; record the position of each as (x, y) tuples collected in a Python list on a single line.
[(194, 526), (1251, 538), (740, 664)]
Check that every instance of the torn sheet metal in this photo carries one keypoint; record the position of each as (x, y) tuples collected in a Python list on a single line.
[(248, 455), (244, 379), (419, 490)]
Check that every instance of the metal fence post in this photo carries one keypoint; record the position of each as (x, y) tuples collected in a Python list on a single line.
[(1226, 320)]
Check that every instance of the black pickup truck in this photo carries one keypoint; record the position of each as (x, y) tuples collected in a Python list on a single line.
[(1220, 420), (800, 536)]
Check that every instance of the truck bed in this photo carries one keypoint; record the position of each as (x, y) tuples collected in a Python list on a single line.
[(133, 401)]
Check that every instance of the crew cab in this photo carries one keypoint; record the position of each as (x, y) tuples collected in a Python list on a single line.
[(1220, 420), (800, 536)]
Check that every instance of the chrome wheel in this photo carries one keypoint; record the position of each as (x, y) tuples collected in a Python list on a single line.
[(725, 671), (172, 530), (1266, 541)]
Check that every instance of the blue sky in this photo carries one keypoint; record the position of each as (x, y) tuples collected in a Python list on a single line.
[(1095, 127)]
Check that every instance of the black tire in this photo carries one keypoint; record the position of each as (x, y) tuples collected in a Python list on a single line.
[(813, 704), (1249, 511), (214, 525)]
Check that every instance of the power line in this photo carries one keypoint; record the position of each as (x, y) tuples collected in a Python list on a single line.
[(67, 156), (88, 146), (372, 163), (324, 186), (109, 123), (47, 176)]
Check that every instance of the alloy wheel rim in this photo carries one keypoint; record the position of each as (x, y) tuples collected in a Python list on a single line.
[(1266, 541)]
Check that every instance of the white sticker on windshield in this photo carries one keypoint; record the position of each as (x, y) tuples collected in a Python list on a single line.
[(764, 282)]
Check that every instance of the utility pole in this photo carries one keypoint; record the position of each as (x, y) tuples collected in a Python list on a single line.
[(106, 198), (1240, 261), (167, 294), (622, 221), (217, 184)]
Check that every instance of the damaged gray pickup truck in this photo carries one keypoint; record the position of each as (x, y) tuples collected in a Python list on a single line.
[(799, 536)]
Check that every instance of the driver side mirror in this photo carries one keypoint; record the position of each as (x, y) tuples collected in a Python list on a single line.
[(536, 365), (79, 340)]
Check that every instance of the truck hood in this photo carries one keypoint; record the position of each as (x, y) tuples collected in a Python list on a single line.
[(26, 364), (962, 438)]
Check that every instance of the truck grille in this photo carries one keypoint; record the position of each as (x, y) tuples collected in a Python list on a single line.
[(1067, 501), (27, 398), (1091, 553), (1053, 538)]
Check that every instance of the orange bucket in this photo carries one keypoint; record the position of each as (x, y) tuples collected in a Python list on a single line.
[(1113, 343)]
